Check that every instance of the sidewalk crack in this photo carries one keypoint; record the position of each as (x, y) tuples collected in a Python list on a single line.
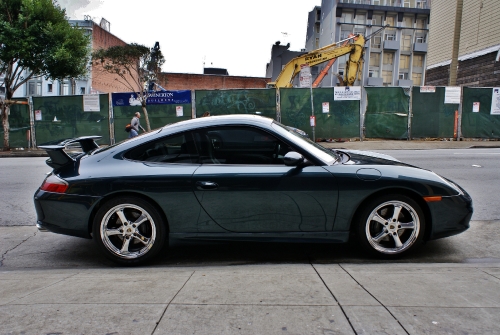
[(381, 304), (170, 302), (334, 297), (2, 259)]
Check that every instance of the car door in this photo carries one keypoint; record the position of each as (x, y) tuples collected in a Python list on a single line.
[(244, 186)]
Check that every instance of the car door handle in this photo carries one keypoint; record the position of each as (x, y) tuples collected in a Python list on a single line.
[(206, 185)]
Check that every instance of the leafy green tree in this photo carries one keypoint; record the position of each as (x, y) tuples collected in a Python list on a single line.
[(36, 40), (135, 66)]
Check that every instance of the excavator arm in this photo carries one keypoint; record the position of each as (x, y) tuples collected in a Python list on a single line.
[(325, 54)]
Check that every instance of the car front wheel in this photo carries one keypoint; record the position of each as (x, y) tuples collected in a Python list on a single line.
[(391, 225), (129, 230)]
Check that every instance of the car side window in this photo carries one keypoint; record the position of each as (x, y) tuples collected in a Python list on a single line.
[(239, 145), (177, 148)]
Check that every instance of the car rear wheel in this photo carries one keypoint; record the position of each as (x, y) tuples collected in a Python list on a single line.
[(391, 225), (129, 230)]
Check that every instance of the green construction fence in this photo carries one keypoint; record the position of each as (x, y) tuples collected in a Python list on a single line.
[(334, 119), (480, 124), (386, 115), (159, 116), (432, 118), (19, 124), (62, 117), (238, 101)]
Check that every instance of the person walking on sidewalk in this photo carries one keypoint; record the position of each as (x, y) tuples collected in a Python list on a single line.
[(136, 125)]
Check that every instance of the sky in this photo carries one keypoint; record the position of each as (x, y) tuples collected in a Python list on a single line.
[(193, 34)]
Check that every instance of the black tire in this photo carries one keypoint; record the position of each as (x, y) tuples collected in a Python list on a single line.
[(383, 233), (129, 230)]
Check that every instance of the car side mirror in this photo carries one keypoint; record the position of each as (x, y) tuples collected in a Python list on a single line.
[(293, 158)]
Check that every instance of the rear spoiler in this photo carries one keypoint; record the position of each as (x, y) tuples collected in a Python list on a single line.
[(59, 158)]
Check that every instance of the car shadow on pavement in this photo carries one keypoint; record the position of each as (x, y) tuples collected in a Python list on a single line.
[(59, 251)]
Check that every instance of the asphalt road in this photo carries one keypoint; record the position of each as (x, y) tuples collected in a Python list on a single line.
[(476, 170), (473, 169)]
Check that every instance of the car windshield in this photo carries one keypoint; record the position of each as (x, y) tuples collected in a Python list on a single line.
[(326, 155)]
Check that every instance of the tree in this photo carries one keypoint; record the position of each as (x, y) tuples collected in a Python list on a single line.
[(135, 66), (36, 40)]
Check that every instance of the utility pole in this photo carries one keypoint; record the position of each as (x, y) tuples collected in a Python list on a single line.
[(456, 44)]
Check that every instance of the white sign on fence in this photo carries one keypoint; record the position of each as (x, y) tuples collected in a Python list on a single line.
[(305, 76), (347, 93), (326, 107), (179, 111), (91, 103), (452, 95), (427, 89), (495, 101)]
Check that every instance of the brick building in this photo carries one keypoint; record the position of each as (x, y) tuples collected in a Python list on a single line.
[(478, 42), (96, 81), (185, 81)]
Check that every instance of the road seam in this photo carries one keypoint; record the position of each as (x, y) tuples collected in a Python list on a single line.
[(35, 291), (336, 300), (170, 302), (5, 253), (381, 304)]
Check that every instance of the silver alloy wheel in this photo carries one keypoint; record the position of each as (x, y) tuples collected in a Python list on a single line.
[(128, 231), (392, 227)]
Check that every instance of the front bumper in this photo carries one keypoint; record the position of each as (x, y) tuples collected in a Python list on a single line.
[(450, 216)]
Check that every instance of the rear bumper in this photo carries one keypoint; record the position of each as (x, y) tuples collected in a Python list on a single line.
[(63, 213)]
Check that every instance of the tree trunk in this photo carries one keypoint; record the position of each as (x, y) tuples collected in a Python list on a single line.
[(146, 117), (5, 123)]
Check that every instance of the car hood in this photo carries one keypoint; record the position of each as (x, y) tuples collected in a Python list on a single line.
[(361, 157)]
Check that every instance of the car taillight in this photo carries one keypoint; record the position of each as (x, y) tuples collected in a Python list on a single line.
[(54, 184)]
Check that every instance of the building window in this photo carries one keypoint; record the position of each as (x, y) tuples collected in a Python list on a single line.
[(387, 77), (316, 43), (407, 22), (377, 20), (316, 28), (418, 60), (318, 15), (419, 39), (406, 43), (373, 73), (388, 58), (65, 89), (417, 79), (390, 37), (420, 24), (391, 21), (34, 88), (377, 41), (374, 59), (82, 90), (422, 4), (403, 76), (360, 19), (404, 62), (347, 17), (49, 88)]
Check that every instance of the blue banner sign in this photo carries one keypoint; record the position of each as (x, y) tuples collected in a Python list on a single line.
[(154, 98)]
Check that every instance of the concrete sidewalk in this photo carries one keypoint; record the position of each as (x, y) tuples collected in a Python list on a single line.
[(353, 145), (60, 285)]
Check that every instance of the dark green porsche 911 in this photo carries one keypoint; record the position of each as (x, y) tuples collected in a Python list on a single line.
[(241, 177)]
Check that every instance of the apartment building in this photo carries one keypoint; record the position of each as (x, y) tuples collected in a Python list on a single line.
[(478, 42), (395, 55)]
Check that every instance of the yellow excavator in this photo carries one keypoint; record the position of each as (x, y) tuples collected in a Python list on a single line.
[(354, 46)]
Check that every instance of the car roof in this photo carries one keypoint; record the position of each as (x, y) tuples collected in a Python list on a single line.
[(221, 120)]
